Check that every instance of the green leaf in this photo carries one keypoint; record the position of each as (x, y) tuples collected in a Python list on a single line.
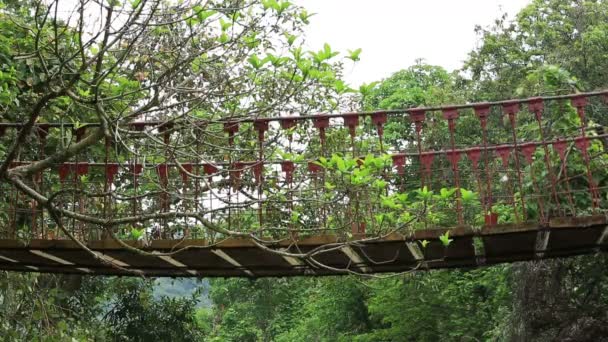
[(297, 54), (468, 195), (354, 55), (329, 186), (424, 193), (283, 6), (270, 4), (389, 202), (136, 233), (445, 193), (305, 16), (340, 86), (201, 14), (445, 238), (322, 162), (255, 61), (405, 217), (424, 243), (225, 24), (224, 38), (380, 184), (290, 38), (295, 217)]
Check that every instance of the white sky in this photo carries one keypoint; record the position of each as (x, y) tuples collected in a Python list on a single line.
[(394, 33)]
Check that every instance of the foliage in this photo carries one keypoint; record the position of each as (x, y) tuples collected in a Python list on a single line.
[(184, 62), (440, 305), (552, 47), (59, 308), (135, 315), (230, 59)]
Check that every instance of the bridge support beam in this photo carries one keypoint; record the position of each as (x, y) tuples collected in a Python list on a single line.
[(50, 257), (356, 258), (415, 250), (542, 241), (177, 264), (220, 253)]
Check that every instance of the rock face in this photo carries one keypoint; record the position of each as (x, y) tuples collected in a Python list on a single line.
[(561, 300)]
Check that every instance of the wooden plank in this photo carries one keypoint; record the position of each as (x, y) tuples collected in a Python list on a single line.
[(241, 257)]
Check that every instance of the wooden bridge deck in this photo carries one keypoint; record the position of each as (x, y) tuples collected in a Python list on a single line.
[(241, 258)]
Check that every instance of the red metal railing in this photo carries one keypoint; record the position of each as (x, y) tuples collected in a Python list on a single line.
[(501, 161)]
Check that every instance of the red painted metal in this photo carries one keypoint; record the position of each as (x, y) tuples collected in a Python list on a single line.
[(547, 184), (188, 167), (163, 172), (536, 105), (138, 125), (231, 128), (450, 113), (491, 219), (454, 158), (582, 144), (474, 155), (560, 147), (358, 228), (80, 132), (417, 116), (314, 168), (321, 123), (288, 123), (482, 111), (111, 171), (528, 151), (82, 169), (210, 169), (579, 103), (261, 126), (136, 169), (504, 152), (288, 167), (379, 120), (399, 163), (258, 171), (511, 108), (64, 171), (351, 121), (426, 159)]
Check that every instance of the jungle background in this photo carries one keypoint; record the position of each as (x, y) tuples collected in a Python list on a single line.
[(551, 47)]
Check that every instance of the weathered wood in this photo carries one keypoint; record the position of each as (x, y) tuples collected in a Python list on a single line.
[(242, 258)]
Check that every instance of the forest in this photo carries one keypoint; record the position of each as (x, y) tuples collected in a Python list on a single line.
[(551, 47)]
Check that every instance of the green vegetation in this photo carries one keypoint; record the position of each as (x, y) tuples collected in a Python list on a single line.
[(552, 47)]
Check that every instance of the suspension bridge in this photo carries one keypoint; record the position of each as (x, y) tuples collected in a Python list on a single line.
[(366, 192)]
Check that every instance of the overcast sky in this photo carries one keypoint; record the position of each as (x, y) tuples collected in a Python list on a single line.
[(393, 33)]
